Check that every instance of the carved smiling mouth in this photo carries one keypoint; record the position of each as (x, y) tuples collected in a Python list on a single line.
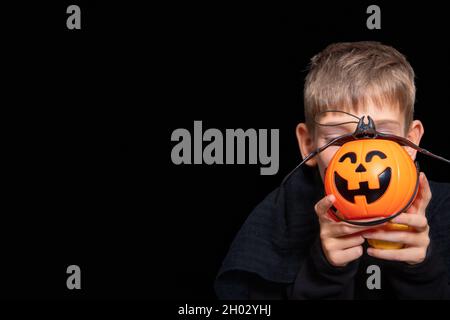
[(370, 194)]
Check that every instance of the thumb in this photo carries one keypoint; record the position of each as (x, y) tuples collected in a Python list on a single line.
[(424, 192), (423, 196), (324, 204)]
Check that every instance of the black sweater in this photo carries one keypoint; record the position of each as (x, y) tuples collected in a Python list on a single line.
[(277, 253)]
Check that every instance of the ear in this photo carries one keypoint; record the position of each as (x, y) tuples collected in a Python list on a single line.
[(305, 142), (415, 134)]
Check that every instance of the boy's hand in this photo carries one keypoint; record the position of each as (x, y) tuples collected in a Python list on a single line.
[(340, 243), (417, 241)]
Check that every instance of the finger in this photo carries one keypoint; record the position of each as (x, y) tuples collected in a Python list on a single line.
[(423, 196), (329, 216), (426, 192), (340, 229), (405, 255), (323, 205), (362, 227), (338, 214), (344, 242), (406, 237), (342, 257), (417, 221)]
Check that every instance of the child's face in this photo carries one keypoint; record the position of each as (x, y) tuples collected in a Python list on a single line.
[(387, 120)]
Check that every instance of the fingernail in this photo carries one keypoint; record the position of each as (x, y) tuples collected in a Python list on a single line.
[(331, 198), (369, 251)]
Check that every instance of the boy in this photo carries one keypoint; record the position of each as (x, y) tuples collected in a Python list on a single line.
[(290, 248)]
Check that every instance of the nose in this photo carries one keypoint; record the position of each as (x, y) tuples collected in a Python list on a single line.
[(360, 168)]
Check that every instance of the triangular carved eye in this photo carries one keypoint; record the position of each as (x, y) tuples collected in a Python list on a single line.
[(373, 153), (350, 155)]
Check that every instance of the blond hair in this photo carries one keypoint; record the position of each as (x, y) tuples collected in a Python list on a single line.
[(348, 75)]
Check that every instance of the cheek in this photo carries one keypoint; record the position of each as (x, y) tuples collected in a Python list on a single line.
[(412, 153), (324, 159)]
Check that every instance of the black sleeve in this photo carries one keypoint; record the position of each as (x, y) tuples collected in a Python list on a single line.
[(243, 285), (426, 280), (429, 279), (318, 279), (260, 289)]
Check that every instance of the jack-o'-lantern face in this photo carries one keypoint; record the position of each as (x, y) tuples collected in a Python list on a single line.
[(378, 174), (371, 178)]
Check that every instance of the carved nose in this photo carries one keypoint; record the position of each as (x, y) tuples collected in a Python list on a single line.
[(360, 168)]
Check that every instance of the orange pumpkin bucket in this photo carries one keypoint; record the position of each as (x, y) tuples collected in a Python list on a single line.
[(372, 178)]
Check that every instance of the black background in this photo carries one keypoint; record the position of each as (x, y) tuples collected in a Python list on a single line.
[(88, 115)]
